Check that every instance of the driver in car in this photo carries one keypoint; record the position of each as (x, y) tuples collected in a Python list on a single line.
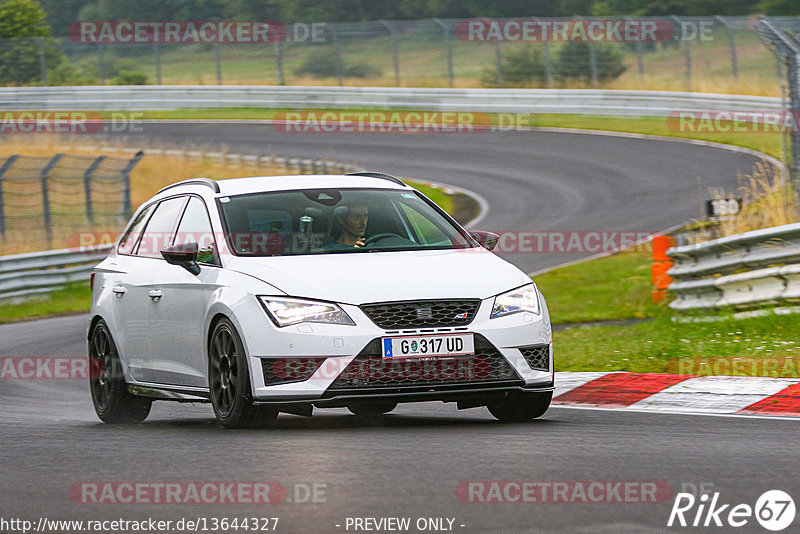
[(354, 225)]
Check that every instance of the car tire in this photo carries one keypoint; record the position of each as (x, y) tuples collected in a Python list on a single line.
[(517, 409), (372, 410), (112, 401), (229, 381)]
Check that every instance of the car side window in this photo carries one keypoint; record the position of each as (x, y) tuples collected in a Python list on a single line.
[(195, 227), (160, 230), (131, 237)]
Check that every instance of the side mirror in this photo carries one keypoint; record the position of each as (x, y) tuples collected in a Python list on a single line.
[(487, 240), (183, 255)]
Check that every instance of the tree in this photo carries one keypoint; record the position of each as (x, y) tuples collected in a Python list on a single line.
[(691, 8), (522, 67), (61, 13), (574, 61), (153, 10), (23, 33), (780, 7)]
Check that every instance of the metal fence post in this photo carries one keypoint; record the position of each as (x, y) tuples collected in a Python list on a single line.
[(217, 63), (593, 64), (639, 55), (101, 67), (157, 61), (42, 61), (639, 58), (498, 61), (548, 64), (276, 47), (592, 60), (449, 49), (786, 46), (395, 51), (338, 56), (87, 187), (732, 43), (687, 51), (126, 183), (48, 223), (794, 97), (7, 165)]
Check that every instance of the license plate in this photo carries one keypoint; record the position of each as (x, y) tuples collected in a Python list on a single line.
[(432, 346)]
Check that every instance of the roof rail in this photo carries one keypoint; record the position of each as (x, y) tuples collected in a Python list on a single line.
[(199, 181), (381, 175)]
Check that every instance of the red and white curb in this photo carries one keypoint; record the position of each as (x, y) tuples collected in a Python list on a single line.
[(680, 393)]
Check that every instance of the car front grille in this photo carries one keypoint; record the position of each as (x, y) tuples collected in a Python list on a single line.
[(369, 370), (422, 313), (286, 370), (537, 356)]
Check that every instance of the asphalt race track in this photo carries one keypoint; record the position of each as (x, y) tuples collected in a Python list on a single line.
[(410, 463)]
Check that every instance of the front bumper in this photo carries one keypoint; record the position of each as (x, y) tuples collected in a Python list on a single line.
[(333, 348)]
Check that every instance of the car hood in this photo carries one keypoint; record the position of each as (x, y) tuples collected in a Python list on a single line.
[(385, 276)]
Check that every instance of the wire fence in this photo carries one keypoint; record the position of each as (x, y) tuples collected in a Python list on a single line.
[(711, 54), (71, 193), (783, 37)]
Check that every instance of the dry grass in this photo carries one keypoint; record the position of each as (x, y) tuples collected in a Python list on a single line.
[(767, 201), (152, 173)]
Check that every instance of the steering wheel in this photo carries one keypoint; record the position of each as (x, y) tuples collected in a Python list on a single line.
[(377, 237)]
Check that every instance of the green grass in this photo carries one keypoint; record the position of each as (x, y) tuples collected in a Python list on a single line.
[(75, 298), (764, 346), (615, 287), (769, 143)]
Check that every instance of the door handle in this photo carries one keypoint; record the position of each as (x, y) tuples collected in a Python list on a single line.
[(118, 291), (155, 295)]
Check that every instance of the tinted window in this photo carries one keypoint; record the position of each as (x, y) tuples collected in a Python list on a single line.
[(131, 237), (160, 230), (195, 227)]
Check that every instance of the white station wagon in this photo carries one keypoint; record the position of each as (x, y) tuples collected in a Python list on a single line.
[(280, 294)]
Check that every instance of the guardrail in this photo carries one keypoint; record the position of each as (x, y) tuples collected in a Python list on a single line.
[(23, 275), (758, 267), (581, 101)]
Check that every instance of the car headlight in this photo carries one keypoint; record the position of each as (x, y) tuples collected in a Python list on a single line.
[(288, 311), (522, 299)]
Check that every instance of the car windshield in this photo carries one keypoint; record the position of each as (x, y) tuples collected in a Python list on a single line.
[(336, 221)]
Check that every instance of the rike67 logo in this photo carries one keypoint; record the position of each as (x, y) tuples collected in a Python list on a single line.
[(774, 510)]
